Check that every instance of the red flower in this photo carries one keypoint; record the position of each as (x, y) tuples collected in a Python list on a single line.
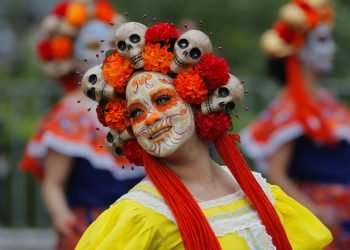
[(101, 115), (214, 70), (210, 127), (161, 32), (60, 9), (133, 152), (44, 50)]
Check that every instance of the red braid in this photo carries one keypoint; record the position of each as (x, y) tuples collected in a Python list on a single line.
[(194, 228), (231, 155)]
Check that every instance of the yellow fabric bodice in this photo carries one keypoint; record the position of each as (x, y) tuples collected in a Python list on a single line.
[(141, 220)]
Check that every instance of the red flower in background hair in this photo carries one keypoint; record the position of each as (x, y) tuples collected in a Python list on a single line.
[(211, 126), (214, 70), (44, 50), (161, 32), (191, 87), (101, 115), (133, 152), (104, 11), (61, 47), (60, 9)]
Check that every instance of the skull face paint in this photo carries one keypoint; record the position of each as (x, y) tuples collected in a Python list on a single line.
[(319, 50), (162, 122), (88, 44)]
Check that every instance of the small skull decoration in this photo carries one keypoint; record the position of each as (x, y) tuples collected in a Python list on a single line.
[(95, 86), (189, 49), (130, 40), (115, 140), (224, 98)]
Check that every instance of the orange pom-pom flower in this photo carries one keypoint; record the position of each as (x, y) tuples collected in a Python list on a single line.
[(61, 47), (191, 87), (157, 58), (117, 71), (115, 113), (76, 14)]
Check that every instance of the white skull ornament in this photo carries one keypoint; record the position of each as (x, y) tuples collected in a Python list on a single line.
[(224, 98), (189, 49), (95, 86), (130, 40), (115, 140)]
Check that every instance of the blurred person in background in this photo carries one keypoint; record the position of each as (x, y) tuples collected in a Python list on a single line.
[(80, 177), (301, 141)]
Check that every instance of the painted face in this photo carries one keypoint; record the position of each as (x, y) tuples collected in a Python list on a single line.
[(88, 44), (160, 119), (319, 50)]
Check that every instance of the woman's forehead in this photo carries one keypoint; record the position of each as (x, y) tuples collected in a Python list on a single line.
[(146, 82)]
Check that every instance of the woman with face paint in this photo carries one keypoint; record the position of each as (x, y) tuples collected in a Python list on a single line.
[(301, 141), (173, 96), (79, 178)]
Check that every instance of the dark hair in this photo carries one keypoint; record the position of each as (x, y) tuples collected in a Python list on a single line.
[(276, 68)]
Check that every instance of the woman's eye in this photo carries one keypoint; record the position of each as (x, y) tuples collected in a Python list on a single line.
[(136, 113), (163, 99)]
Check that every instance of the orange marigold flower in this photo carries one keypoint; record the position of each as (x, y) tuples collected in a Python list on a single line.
[(61, 47), (76, 14), (115, 115), (104, 11), (157, 58), (191, 87), (117, 71)]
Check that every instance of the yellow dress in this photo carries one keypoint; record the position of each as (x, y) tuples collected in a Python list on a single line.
[(141, 220)]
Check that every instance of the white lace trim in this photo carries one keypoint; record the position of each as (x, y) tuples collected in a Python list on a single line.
[(98, 160), (245, 221)]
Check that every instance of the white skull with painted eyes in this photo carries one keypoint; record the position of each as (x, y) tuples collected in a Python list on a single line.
[(130, 40), (189, 49), (319, 50), (224, 98), (162, 122), (115, 140), (95, 86)]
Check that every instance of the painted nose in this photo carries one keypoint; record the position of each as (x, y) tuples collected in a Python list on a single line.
[(152, 118)]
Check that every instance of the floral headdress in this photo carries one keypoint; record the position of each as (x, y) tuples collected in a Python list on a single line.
[(202, 80), (60, 30), (285, 40)]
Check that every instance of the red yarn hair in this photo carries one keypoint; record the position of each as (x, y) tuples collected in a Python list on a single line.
[(196, 233), (194, 228), (235, 162)]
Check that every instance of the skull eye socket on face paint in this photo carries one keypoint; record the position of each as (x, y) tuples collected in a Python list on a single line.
[(163, 99), (135, 113), (135, 38), (195, 53), (121, 45), (223, 92), (183, 43)]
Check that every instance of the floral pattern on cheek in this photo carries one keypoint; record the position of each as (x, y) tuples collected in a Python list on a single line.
[(142, 79)]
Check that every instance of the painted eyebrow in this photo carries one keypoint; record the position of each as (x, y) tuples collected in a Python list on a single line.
[(136, 102), (157, 92)]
